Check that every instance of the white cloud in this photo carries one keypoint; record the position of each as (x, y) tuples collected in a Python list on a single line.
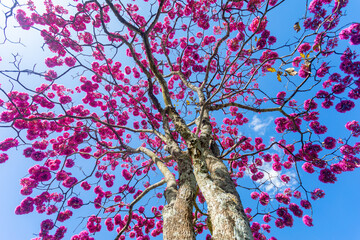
[(259, 126), (271, 182), (277, 149)]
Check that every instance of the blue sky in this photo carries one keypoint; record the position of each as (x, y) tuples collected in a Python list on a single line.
[(335, 216)]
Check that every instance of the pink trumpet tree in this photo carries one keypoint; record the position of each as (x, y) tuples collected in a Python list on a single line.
[(140, 123)]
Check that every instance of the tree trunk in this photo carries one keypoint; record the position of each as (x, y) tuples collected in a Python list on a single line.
[(177, 215), (227, 218), (178, 221)]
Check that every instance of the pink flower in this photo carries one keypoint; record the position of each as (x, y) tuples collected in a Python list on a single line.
[(285, 178), (329, 143), (141, 209), (3, 157), (276, 166), (75, 202), (254, 195), (272, 2), (305, 204), (267, 218), (295, 209), (323, 70), (308, 220), (304, 71), (344, 106), (126, 174), (70, 61), (47, 225), (354, 127), (296, 61), (65, 99), (318, 129), (279, 223), (303, 48), (264, 199), (85, 185), (308, 167), (297, 194), (8, 143), (69, 182), (272, 40), (257, 27), (317, 193), (310, 104), (40, 173)]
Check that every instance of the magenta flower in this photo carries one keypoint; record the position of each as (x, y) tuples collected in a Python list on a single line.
[(38, 156), (254, 195), (279, 223), (285, 178), (305, 204), (267, 218), (3, 157), (69, 182), (308, 167), (8, 143), (295, 209), (264, 199), (303, 48), (308, 221), (47, 225), (317, 193), (344, 106), (75, 202), (329, 143)]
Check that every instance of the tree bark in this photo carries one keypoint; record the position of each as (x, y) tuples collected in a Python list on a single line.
[(227, 218), (178, 218), (177, 215)]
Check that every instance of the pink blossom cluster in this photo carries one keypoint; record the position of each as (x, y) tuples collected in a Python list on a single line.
[(253, 5), (264, 198), (354, 127), (285, 219), (63, 216), (8, 143), (327, 176), (283, 198), (310, 152), (295, 209), (3, 157), (40, 173), (348, 64), (84, 235), (317, 128), (317, 193), (308, 221), (329, 143), (93, 224), (321, 18), (292, 124), (352, 33), (256, 227), (344, 106), (75, 202), (24, 21), (26, 206)]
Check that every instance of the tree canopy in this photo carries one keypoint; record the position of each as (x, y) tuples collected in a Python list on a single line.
[(148, 118)]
